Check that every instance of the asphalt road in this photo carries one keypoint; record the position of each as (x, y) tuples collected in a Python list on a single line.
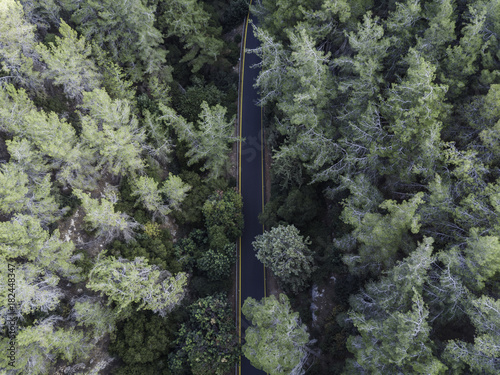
[(252, 280)]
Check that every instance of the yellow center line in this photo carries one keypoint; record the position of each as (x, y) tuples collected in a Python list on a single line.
[(239, 172), (262, 179)]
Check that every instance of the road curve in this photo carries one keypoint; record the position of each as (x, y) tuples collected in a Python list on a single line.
[(251, 280)]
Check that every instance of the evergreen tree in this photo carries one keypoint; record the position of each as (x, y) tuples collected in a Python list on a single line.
[(100, 216), (392, 320), (69, 64), (126, 282), (286, 253), (187, 20), (276, 342), (17, 42), (124, 28)]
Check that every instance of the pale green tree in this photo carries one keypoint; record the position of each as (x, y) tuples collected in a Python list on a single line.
[(402, 24), (390, 311), (286, 253), (478, 262), (23, 236), (381, 236), (415, 108), (482, 355), (273, 62), (148, 193), (210, 142), (124, 28), (111, 131), (40, 345), (27, 158), (42, 13), (126, 282), (362, 76), (51, 135), (100, 215), (461, 59), (175, 190), (160, 200), (38, 134), (277, 341), (375, 351), (441, 30), (90, 312), (35, 290), (69, 63), (13, 188), (17, 41)]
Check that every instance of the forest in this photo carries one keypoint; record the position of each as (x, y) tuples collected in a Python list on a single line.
[(119, 212)]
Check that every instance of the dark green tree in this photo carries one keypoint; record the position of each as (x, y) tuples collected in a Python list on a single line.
[(207, 342)]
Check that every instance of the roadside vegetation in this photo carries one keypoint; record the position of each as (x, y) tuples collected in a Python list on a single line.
[(119, 212)]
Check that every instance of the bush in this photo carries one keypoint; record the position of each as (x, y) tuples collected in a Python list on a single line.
[(218, 264), (191, 248), (207, 342), (143, 341), (223, 212), (190, 211)]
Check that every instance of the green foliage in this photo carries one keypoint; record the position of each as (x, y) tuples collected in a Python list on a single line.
[(37, 344), (190, 22), (153, 197), (100, 216), (299, 206), (158, 250), (125, 29), (111, 131), (392, 310), (23, 236), (223, 216), (207, 342), (113, 78), (188, 104), (137, 282), (92, 314), (68, 63), (380, 236), (234, 14), (286, 253), (143, 341), (218, 264), (210, 142), (17, 38), (276, 342), (188, 250), (191, 208), (152, 229)]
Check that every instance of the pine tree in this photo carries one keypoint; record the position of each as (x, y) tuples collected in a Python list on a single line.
[(69, 64), (100, 216), (286, 253), (276, 342), (17, 42), (126, 282)]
